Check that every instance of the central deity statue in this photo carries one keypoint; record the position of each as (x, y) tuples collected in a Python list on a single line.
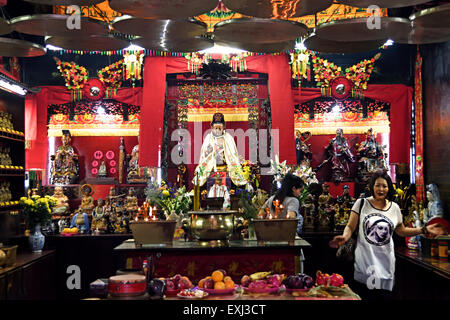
[(219, 154)]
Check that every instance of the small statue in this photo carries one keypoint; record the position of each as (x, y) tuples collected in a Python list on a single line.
[(99, 220), (342, 208), (62, 206), (64, 169), (131, 203), (326, 208), (81, 221), (301, 148), (133, 164), (2, 120), (371, 157), (218, 190), (87, 201), (434, 208), (102, 172), (309, 212), (339, 154), (181, 175)]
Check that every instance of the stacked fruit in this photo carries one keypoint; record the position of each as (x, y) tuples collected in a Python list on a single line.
[(218, 280), (262, 280), (177, 282), (335, 280)]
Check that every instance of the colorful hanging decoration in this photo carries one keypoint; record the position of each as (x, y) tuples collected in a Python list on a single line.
[(74, 75), (300, 64), (133, 62), (418, 105), (359, 74), (236, 61), (112, 75)]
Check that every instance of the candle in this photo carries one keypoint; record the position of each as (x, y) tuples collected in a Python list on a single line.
[(154, 218), (136, 219), (146, 219)]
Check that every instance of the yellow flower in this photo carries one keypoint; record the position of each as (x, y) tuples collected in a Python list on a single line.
[(166, 192)]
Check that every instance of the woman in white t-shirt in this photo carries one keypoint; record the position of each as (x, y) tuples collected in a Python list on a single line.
[(291, 188), (376, 218)]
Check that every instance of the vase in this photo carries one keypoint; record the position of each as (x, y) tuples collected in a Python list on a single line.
[(36, 240), (251, 231)]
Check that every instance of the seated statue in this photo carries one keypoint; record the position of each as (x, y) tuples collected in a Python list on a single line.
[(371, 157), (81, 221), (87, 201), (131, 203), (342, 208), (219, 154), (64, 168), (62, 206), (99, 219)]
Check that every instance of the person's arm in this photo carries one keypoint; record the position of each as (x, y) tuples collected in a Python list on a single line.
[(348, 231), (293, 207), (433, 229)]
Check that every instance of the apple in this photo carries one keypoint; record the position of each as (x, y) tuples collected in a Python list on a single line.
[(184, 284), (208, 284), (224, 272), (176, 278), (245, 281)]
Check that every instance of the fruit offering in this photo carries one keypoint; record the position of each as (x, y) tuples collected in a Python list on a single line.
[(260, 281), (299, 281), (218, 280), (335, 280), (177, 282), (73, 230), (191, 293)]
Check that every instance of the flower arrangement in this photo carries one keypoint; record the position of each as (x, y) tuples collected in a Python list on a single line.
[(37, 209), (251, 202), (74, 75), (169, 198)]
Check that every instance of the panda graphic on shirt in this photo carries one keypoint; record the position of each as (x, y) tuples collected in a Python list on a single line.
[(378, 229)]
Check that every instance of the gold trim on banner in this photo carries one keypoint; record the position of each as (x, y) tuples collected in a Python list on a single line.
[(95, 132), (208, 117), (347, 130)]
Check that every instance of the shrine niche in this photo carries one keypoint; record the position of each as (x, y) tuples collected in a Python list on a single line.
[(191, 104), (64, 163)]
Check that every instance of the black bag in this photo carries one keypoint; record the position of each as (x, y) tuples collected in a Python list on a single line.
[(347, 250)]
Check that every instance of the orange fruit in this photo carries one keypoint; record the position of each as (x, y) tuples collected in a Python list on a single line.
[(201, 282), (217, 276), (229, 284), (219, 285), (227, 278)]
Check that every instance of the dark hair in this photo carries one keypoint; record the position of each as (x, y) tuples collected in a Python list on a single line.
[(382, 174), (290, 180)]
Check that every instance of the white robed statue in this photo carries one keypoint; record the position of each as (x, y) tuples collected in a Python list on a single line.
[(219, 153)]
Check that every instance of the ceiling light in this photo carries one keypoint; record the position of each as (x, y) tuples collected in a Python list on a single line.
[(390, 42), (50, 47), (11, 87), (222, 50), (133, 47)]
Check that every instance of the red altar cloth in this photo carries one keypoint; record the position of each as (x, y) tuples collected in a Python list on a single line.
[(198, 265)]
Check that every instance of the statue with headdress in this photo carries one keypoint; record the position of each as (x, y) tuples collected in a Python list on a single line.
[(434, 208), (64, 167), (371, 156), (339, 155), (219, 154)]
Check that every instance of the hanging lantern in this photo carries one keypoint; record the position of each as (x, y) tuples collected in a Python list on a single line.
[(133, 65)]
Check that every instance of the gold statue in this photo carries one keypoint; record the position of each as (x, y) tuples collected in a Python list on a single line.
[(62, 206), (87, 201), (99, 223), (64, 168), (131, 203)]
